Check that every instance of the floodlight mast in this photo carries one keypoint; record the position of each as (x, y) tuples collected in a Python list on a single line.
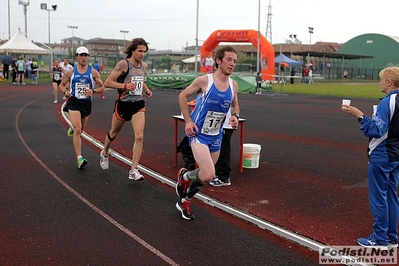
[(43, 6), (25, 5)]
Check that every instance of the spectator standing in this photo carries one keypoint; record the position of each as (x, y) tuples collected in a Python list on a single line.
[(346, 73), (310, 75), (292, 74), (258, 80), (383, 165), (209, 64), (6, 70), (28, 72), (35, 68), (96, 66), (306, 74), (21, 71), (14, 70), (173, 69), (185, 68)]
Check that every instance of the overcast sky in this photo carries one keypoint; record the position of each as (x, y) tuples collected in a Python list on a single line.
[(171, 24)]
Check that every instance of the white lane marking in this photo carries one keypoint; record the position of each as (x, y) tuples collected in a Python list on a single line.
[(263, 224), (87, 202)]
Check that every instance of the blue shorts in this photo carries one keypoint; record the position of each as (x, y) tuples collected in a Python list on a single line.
[(214, 143)]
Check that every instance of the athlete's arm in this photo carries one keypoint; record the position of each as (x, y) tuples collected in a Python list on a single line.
[(235, 109), (120, 68), (99, 82), (148, 92), (64, 83), (193, 89)]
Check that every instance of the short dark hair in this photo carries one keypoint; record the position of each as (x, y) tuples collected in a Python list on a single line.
[(133, 46), (219, 54)]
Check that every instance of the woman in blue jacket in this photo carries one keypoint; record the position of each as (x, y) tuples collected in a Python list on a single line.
[(383, 167)]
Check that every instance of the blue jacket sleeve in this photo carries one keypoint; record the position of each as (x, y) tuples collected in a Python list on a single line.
[(376, 127)]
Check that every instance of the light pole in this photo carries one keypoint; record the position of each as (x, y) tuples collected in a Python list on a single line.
[(196, 40), (310, 41), (72, 27), (124, 32), (9, 23), (258, 42), (25, 4), (43, 6)]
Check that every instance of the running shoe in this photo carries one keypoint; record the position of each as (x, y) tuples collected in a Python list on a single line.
[(55, 101), (184, 208), (182, 185), (392, 244), (104, 161), (135, 175), (216, 182), (70, 132), (81, 162), (371, 242)]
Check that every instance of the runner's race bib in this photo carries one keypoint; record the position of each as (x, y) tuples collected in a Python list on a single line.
[(57, 76), (80, 89), (139, 80), (212, 123)]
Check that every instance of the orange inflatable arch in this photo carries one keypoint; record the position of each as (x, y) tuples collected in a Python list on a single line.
[(266, 49)]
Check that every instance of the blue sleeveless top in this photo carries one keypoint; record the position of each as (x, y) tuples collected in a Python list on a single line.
[(81, 82), (211, 108)]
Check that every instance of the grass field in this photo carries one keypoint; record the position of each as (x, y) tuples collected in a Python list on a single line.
[(354, 90)]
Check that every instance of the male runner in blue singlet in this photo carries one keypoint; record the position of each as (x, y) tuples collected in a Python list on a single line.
[(82, 79), (216, 94)]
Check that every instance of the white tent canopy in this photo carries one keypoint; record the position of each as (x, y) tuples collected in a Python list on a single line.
[(191, 59), (19, 44)]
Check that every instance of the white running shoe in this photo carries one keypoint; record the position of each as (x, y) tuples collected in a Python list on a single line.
[(104, 161), (135, 175), (55, 101)]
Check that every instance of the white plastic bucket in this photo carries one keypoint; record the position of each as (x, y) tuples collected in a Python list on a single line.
[(251, 154)]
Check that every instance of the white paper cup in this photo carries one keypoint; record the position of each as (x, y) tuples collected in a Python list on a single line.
[(347, 102), (374, 108)]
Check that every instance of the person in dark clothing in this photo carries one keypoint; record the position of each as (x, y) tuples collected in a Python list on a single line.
[(96, 66), (292, 74), (14, 70), (258, 79), (5, 70), (223, 165)]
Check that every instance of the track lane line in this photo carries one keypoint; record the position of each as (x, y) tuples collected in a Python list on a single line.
[(83, 199)]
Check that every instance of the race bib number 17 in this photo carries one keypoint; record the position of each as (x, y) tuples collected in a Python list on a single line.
[(212, 123)]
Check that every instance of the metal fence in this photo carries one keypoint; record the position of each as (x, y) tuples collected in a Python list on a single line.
[(164, 66)]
